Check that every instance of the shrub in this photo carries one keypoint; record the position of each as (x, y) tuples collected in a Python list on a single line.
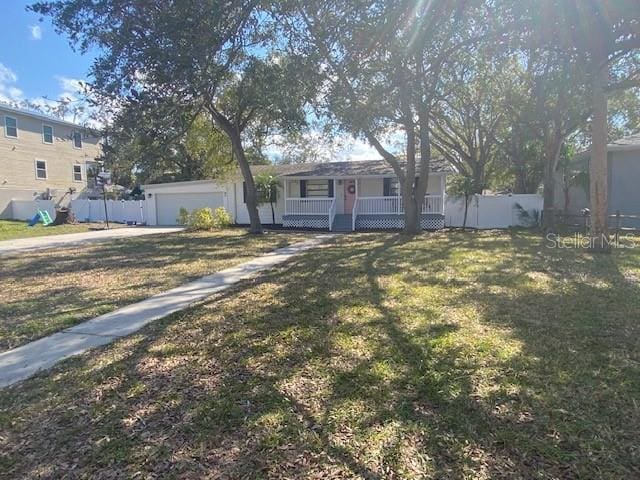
[(183, 217), (221, 218), (201, 219), (204, 218)]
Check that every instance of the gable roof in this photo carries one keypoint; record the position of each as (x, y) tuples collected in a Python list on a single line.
[(39, 115), (360, 168)]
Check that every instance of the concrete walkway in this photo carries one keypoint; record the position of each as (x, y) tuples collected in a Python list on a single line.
[(51, 241), (22, 362)]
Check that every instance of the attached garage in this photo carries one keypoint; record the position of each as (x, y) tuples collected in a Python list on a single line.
[(165, 200), (168, 204)]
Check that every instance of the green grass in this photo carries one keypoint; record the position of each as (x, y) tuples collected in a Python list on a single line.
[(46, 291), (451, 355), (11, 229)]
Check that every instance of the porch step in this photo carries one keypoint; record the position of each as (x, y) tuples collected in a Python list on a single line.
[(342, 223)]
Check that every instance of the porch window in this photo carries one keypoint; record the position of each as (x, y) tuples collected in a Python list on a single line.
[(390, 187), (316, 188)]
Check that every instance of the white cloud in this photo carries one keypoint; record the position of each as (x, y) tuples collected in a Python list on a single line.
[(358, 150), (36, 32), (9, 92), (71, 86), (7, 75)]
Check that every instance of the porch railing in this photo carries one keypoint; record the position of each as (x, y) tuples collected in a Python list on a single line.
[(433, 204), (393, 205), (308, 206), (332, 213)]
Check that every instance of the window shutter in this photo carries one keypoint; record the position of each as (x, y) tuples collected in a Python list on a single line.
[(386, 187), (303, 188), (331, 188), (244, 192)]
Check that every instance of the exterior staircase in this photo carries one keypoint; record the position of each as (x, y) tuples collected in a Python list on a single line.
[(342, 223)]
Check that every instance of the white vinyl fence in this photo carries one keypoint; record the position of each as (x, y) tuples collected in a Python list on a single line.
[(492, 211), (26, 209), (85, 210), (118, 210)]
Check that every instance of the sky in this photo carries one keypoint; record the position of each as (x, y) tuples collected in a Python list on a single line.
[(39, 65), (35, 62)]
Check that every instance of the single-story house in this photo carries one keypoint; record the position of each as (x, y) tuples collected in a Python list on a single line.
[(337, 196), (623, 167)]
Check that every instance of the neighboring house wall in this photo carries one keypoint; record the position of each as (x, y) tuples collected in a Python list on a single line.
[(18, 157), (623, 191), (624, 185), (624, 182)]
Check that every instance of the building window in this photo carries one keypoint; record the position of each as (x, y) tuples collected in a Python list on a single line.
[(41, 170), (77, 173), (77, 140), (10, 127), (316, 188), (390, 187), (47, 134)]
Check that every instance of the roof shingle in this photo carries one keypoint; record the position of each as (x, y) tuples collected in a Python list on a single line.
[(342, 169)]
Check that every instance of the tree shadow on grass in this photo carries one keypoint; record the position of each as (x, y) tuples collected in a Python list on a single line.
[(47, 291), (344, 363)]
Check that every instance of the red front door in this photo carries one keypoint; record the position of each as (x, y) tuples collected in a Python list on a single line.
[(349, 195)]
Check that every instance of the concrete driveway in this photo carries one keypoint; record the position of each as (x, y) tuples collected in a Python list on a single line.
[(8, 247)]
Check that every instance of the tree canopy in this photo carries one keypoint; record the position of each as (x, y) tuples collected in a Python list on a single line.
[(497, 87)]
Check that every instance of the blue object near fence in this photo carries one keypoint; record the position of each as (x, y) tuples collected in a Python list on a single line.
[(35, 219)]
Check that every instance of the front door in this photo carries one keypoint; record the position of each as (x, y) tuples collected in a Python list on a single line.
[(349, 195)]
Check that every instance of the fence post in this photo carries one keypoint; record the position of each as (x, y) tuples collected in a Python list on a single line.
[(617, 225)]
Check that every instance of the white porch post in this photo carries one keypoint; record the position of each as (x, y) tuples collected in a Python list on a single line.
[(443, 183), (285, 196)]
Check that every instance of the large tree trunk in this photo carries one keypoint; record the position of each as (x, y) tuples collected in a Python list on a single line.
[(411, 215), (466, 212), (567, 197), (238, 152), (251, 200), (551, 155), (598, 162)]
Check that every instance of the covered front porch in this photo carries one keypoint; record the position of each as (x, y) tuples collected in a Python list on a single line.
[(356, 203)]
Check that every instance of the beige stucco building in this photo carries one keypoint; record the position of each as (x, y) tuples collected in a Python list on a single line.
[(42, 157)]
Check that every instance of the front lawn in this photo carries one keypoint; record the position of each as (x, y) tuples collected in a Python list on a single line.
[(12, 229), (47, 291), (452, 355)]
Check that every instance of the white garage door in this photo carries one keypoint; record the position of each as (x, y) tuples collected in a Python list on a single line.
[(168, 204)]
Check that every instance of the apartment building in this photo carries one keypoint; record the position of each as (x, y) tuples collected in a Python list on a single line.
[(42, 157)]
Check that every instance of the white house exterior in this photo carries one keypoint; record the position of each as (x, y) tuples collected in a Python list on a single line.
[(338, 196)]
